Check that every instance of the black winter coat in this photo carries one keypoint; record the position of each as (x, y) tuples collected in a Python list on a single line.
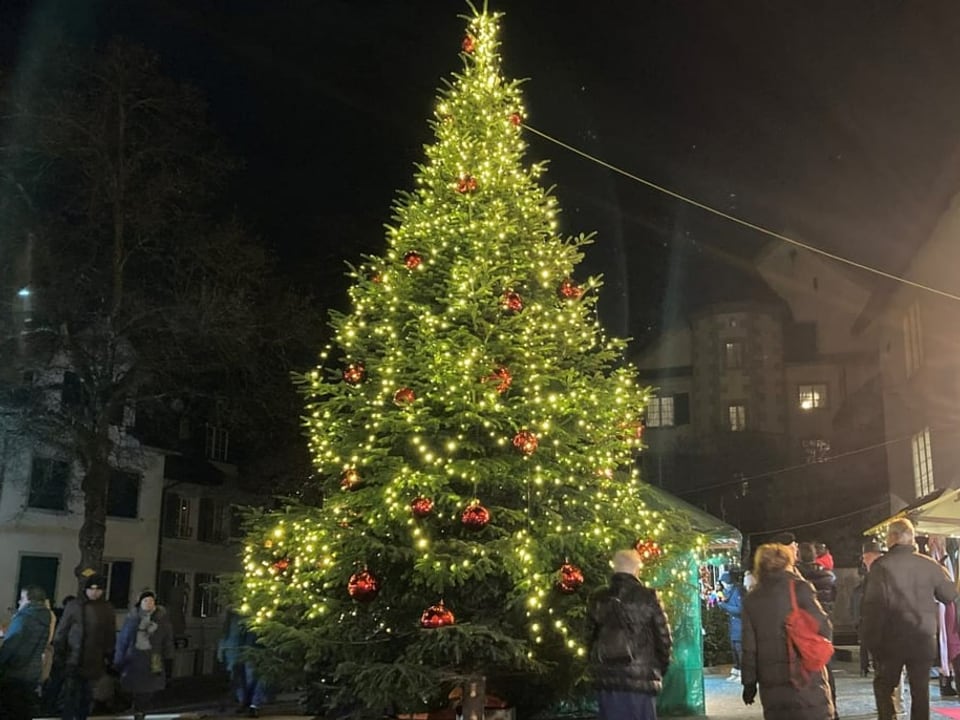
[(650, 636), (899, 610), (824, 582), (765, 658)]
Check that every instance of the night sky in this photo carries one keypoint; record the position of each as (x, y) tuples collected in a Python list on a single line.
[(832, 121)]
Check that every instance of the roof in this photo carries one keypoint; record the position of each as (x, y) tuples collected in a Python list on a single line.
[(719, 534), (935, 514)]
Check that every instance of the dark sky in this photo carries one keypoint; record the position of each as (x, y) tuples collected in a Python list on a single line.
[(834, 121)]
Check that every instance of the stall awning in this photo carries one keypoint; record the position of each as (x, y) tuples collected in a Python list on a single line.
[(935, 514)]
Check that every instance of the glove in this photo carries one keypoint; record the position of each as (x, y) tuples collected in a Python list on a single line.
[(749, 694)]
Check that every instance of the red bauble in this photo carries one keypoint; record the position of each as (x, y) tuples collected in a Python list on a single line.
[(404, 396), (466, 184), (516, 119), (570, 578), (350, 479), (649, 550), (437, 616), (421, 507), (502, 377), (363, 586), (569, 290), (511, 301), (475, 516), (376, 278), (526, 442), (412, 260), (469, 43), (281, 565), (354, 373)]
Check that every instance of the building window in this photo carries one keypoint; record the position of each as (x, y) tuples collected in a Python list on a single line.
[(913, 338), (172, 590), (206, 596), (236, 521), (218, 442), (49, 483), (118, 574), (123, 494), (210, 521), (810, 397), (732, 354), (737, 417), (660, 412), (922, 463), (176, 517)]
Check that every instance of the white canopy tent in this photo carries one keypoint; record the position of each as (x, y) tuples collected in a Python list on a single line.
[(935, 514)]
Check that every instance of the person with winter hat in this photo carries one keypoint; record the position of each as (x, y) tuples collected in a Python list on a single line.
[(82, 644), (144, 644), (732, 605)]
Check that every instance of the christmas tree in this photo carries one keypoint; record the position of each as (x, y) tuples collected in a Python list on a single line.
[(475, 436)]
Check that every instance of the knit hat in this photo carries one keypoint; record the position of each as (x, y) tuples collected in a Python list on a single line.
[(95, 581), (146, 594)]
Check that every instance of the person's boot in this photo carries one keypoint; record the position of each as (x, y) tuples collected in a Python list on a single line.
[(946, 686)]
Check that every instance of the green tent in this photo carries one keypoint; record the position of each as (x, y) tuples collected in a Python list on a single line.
[(683, 692)]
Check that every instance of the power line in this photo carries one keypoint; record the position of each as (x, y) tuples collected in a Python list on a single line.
[(790, 468), (858, 511), (739, 221)]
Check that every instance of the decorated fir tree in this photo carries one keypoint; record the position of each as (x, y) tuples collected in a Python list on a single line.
[(475, 437)]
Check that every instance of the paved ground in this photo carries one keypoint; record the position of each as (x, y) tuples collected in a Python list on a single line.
[(855, 701)]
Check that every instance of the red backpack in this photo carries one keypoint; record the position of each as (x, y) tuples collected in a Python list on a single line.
[(804, 639)]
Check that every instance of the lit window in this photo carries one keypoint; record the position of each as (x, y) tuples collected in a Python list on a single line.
[(810, 397), (660, 412), (737, 417), (913, 339), (922, 463), (732, 354)]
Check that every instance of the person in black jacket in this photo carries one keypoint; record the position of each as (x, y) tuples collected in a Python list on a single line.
[(629, 638)]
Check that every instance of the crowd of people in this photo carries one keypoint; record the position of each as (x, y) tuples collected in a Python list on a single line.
[(59, 662), (904, 602)]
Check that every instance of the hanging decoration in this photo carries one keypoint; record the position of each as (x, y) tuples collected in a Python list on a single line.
[(569, 578), (281, 565), (649, 550), (350, 479), (437, 616), (466, 184), (569, 290), (502, 377), (526, 442), (511, 301), (404, 396), (354, 373), (475, 516), (469, 44), (516, 119), (412, 260), (421, 507), (363, 586)]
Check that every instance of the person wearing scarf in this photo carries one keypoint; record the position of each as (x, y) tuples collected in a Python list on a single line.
[(145, 641)]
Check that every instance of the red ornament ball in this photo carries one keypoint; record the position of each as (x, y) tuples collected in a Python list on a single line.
[(354, 373), (404, 396), (350, 479), (437, 616), (475, 516), (569, 579), (466, 184), (569, 290), (526, 442), (469, 44), (649, 550), (376, 278), (516, 119), (421, 507), (511, 301), (363, 586), (412, 260), (281, 565)]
